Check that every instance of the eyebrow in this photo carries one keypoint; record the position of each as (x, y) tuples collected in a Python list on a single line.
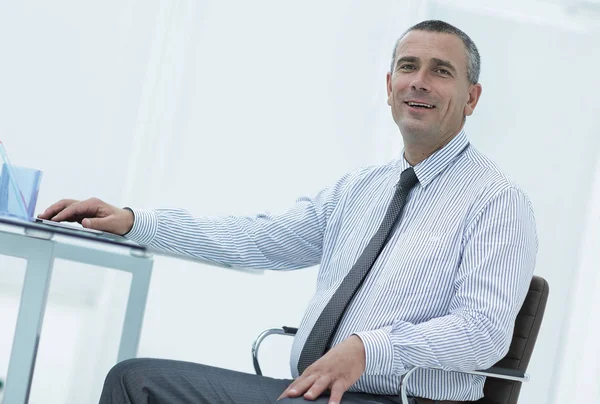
[(444, 63), (407, 59), (436, 61)]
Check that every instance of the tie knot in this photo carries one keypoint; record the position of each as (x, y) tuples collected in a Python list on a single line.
[(408, 179)]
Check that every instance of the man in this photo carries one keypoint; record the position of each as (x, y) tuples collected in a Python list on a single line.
[(425, 261)]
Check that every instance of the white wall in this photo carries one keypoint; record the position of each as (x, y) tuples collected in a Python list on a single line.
[(538, 119), (71, 78), (238, 107)]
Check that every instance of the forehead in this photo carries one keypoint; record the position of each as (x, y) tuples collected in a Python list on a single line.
[(427, 45)]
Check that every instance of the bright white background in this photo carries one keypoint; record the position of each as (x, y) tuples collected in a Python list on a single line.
[(236, 107)]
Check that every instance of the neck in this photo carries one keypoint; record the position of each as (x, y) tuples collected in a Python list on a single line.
[(415, 150)]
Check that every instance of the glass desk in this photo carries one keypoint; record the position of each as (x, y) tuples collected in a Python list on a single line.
[(40, 244)]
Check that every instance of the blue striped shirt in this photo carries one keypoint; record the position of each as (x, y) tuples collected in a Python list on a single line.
[(445, 290)]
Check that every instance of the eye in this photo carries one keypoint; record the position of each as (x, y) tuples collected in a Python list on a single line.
[(442, 71), (407, 67)]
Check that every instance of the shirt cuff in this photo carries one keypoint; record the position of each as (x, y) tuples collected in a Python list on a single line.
[(145, 226), (379, 352)]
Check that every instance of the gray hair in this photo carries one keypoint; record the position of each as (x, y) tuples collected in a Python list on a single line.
[(473, 58)]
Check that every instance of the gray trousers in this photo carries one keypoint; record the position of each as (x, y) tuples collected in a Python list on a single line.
[(159, 381)]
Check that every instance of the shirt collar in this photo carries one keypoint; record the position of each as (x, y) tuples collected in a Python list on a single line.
[(429, 168)]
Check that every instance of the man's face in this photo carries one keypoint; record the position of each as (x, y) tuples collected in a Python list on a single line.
[(431, 69)]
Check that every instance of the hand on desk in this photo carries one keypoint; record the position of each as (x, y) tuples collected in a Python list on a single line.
[(91, 213), (337, 370)]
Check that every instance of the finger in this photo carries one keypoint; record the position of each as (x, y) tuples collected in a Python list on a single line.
[(95, 223), (299, 386), (52, 210), (318, 387), (290, 388), (77, 210), (291, 391), (337, 391)]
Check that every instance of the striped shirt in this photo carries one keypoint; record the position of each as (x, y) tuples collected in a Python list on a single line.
[(445, 290)]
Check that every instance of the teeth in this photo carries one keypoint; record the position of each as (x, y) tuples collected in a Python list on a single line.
[(416, 104)]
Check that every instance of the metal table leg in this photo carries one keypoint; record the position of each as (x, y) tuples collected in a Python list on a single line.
[(140, 267), (40, 251), (40, 259), (136, 306)]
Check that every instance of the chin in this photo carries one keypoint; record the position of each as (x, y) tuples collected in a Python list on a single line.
[(414, 129)]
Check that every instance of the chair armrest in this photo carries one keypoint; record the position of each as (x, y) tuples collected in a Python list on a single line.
[(495, 372), (271, 331), (290, 330), (501, 373)]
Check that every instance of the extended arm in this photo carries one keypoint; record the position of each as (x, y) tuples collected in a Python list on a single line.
[(286, 241)]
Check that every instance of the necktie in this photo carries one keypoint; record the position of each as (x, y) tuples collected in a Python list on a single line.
[(320, 336)]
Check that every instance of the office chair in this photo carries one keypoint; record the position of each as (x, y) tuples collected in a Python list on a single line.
[(504, 379)]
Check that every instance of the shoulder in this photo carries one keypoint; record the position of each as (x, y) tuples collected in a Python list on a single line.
[(372, 175), (487, 174), (487, 182)]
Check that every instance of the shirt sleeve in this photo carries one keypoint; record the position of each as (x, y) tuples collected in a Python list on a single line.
[(291, 240), (500, 247)]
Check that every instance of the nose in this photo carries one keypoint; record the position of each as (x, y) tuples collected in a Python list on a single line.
[(420, 82)]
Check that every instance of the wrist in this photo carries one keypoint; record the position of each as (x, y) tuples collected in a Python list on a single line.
[(360, 350), (129, 218), (379, 351)]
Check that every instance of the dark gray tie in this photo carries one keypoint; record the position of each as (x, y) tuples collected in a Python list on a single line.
[(320, 336)]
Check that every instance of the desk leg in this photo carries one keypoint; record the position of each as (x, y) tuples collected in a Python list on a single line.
[(29, 322), (136, 306)]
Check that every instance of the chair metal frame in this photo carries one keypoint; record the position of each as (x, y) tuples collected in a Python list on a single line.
[(496, 372)]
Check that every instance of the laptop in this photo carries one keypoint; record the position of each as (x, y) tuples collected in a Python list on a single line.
[(67, 225), (68, 229)]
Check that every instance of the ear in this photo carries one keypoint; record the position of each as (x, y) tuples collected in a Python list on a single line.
[(474, 94), (388, 80)]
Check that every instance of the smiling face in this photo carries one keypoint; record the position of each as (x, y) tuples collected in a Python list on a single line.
[(428, 89)]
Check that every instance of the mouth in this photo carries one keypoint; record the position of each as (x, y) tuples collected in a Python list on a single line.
[(419, 105)]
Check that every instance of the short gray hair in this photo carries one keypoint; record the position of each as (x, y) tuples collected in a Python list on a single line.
[(473, 58)]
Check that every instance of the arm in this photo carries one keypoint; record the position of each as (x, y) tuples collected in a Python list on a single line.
[(500, 246), (286, 241)]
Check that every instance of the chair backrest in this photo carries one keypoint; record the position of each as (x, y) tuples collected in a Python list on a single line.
[(527, 327)]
